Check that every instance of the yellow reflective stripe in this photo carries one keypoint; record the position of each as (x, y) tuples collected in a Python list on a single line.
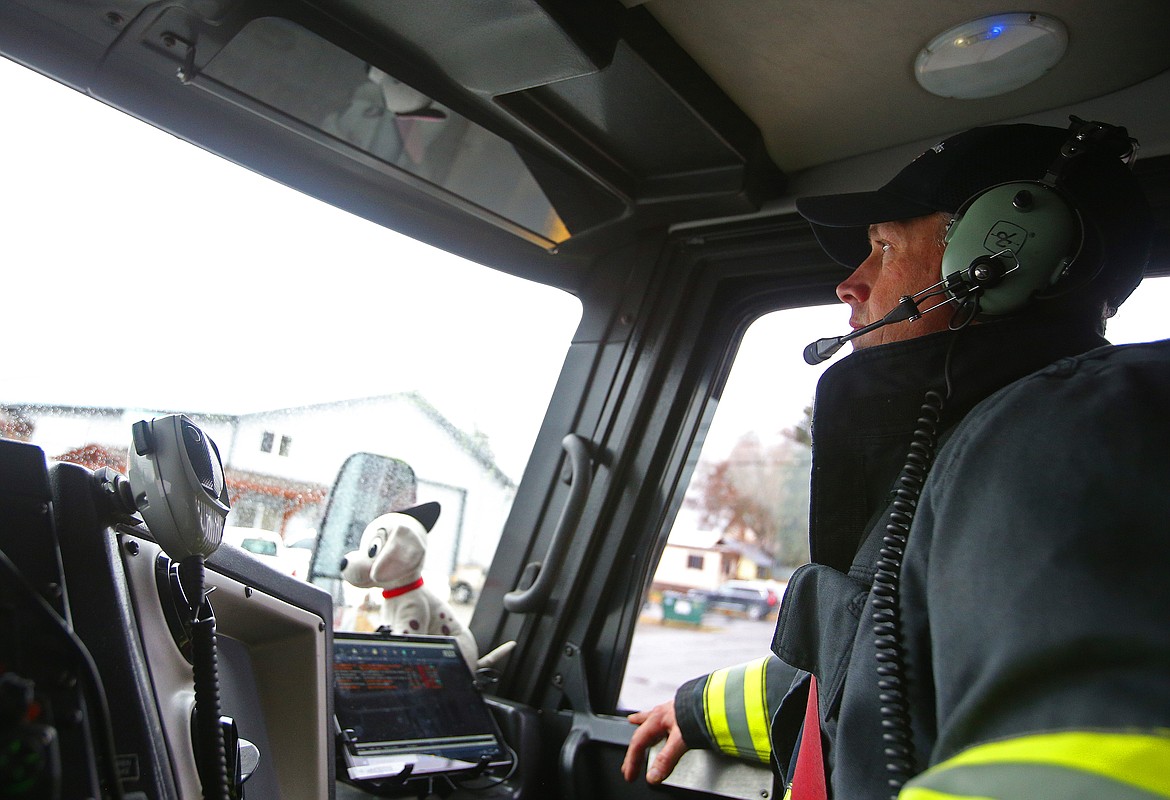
[(1125, 757), (756, 679), (1022, 781), (1128, 758), (915, 793), (735, 707), (715, 705)]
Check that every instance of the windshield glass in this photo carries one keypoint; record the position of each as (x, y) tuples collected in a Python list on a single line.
[(147, 277)]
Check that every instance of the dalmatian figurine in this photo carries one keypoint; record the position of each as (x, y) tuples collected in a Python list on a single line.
[(390, 555)]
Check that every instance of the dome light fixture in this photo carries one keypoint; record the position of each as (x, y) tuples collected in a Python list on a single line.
[(991, 56)]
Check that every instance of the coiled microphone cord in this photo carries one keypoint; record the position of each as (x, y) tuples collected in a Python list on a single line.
[(893, 699), (897, 744), (208, 733)]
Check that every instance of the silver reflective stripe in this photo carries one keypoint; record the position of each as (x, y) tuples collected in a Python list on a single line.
[(1020, 782), (735, 704)]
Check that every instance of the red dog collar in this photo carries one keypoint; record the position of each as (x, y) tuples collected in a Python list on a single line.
[(410, 587)]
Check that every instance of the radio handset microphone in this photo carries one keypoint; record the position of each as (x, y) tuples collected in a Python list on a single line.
[(178, 485)]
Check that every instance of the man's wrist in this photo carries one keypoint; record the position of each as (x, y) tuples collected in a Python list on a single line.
[(688, 713)]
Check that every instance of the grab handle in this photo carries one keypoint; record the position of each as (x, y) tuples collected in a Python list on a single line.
[(525, 601)]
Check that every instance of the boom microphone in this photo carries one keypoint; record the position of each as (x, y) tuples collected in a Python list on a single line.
[(823, 349), (962, 286)]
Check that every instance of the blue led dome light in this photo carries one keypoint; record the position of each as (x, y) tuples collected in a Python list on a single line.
[(991, 56)]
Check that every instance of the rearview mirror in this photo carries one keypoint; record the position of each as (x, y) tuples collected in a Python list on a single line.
[(367, 486)]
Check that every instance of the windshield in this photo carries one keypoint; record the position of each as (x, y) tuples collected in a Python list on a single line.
[(147, 277)]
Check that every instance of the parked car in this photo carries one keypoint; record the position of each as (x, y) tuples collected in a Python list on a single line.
[(466, 583), (298, 554), (755, 599), (265, 545)]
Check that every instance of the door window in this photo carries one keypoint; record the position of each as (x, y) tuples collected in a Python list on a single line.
[(744, 518)]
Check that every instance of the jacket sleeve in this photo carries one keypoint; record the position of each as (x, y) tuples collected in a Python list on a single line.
[(1043, 556), (1084, 763), (730, 710)]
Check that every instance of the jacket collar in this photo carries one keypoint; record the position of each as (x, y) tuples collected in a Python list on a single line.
[(868, 404)]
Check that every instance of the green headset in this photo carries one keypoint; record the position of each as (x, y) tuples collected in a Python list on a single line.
[(1015, 241)]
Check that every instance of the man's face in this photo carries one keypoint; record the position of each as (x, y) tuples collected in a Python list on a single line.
[(905, 257)]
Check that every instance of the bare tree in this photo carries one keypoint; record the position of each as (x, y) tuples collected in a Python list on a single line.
[(760, 492)]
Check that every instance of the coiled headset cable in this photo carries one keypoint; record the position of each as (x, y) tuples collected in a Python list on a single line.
[(894, 703)]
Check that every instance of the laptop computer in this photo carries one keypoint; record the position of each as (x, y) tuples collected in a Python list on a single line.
[(408, 706)]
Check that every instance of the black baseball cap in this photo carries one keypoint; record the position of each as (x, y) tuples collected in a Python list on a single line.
[(1119, 225)]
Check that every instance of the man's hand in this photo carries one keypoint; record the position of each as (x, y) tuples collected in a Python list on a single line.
[(653, 726)]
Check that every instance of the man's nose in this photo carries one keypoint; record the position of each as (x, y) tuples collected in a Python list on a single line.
[(855, 288)]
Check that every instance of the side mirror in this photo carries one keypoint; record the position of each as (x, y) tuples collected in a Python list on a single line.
[(367, 485)]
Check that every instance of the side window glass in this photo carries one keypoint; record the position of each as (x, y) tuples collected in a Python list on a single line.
[(1142, 317), (743, 525), (742, 528)]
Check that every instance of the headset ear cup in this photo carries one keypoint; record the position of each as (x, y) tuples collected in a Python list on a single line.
[(1029, 226)]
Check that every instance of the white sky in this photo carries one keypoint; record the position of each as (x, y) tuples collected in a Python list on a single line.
[(143, 271), (140, 271), (770, 384)]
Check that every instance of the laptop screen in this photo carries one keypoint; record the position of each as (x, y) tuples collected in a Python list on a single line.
[(409, 700)]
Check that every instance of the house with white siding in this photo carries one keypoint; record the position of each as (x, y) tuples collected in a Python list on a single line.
[(280, 463)]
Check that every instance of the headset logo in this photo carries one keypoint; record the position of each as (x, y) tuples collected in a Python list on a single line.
[(1005, 236)]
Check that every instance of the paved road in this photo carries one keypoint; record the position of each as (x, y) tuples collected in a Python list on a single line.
[(663, 657)]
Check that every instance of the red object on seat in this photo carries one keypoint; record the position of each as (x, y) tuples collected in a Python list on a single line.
[(808, 780)]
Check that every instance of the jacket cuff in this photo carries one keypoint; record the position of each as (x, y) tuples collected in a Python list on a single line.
[(688, 713)]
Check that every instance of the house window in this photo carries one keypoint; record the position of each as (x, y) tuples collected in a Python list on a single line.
[(268, 443), (694, 562)]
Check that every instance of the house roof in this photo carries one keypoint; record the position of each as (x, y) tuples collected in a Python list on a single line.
[(746, 550), (475, 446)]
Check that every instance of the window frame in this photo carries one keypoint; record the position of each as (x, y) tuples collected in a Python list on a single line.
[(644, 403)]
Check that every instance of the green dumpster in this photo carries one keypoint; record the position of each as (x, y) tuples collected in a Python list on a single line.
[(683, 608)]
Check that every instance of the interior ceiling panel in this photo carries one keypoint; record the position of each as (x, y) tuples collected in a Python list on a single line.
[(803, 45), (664, 112)]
